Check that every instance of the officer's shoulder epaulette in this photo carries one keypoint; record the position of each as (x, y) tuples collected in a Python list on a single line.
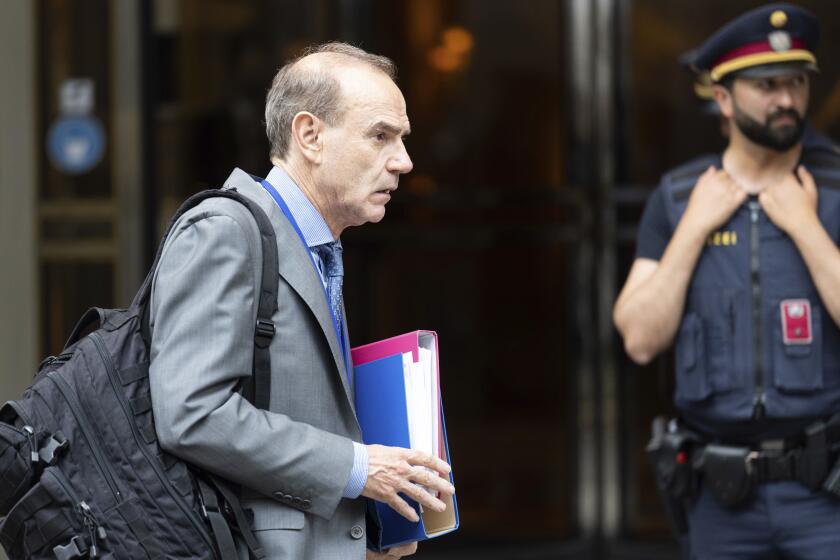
[(681, 180), (824, 165)]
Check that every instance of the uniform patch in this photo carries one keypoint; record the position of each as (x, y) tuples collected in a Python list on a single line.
[(796, 321)]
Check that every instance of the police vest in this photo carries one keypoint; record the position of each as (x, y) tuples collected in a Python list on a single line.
[(755, 340)]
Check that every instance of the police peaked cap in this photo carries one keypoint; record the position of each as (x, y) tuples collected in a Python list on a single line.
[(760, 43)]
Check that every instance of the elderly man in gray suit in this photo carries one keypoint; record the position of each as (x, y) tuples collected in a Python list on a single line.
[(336, 122)]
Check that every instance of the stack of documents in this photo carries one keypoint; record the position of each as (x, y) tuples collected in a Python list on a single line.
[(422, 400), (397, 386)]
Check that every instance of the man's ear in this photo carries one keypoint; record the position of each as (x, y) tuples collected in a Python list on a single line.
[(307, 134), (723, 97)]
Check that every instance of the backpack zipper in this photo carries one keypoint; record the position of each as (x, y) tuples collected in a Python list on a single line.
[(117, 388), (96, 531), (33, 445), (55, 360), (76, 408), (34, 456), (27, 432)]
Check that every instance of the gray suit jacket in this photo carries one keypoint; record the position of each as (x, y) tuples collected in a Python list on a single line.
[(294, 460)]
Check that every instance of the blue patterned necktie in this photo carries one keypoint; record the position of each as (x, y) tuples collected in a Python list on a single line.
[(330, 254)]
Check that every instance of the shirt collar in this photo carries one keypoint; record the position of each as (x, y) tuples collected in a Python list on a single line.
[(312, 225)]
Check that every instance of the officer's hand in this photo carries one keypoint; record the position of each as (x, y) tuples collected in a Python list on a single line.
[(789, 204), (394, 469), (715, 197), (393, 552)]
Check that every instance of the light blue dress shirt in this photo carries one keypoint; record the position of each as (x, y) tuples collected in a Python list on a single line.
[(316, 232)]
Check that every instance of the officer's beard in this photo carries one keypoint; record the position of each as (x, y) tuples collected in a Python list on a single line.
[(778, 138)]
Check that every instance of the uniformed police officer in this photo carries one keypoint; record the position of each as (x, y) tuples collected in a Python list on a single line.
[(704, 91), (737, 264)]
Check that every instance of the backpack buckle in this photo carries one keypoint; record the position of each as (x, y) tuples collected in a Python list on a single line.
[(49, 452), (265, 332), (75, 549)]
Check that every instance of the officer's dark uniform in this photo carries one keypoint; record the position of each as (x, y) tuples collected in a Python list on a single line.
[(757, 354)]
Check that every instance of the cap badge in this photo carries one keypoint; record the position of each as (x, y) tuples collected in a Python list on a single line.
[(778, 18), (779, 41)]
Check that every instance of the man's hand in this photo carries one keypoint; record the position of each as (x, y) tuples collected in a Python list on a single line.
[(392, 470), (393, 552), (789, 205), (715, 197)]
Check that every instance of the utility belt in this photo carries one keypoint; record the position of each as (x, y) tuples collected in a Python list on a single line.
[(682, 458)]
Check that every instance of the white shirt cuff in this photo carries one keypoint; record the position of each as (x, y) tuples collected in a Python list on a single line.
[(359, 474)]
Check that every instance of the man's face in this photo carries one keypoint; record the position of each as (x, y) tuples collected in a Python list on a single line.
[(364, 154), (771, 111)]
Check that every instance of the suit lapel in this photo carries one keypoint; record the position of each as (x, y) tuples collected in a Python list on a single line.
[(295, 266)]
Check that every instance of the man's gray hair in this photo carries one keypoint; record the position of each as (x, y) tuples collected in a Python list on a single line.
[(315, 90)]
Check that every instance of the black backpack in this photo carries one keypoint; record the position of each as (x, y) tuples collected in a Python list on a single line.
[(81, 471)]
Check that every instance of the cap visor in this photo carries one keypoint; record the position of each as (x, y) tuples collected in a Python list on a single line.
[(776, 69)]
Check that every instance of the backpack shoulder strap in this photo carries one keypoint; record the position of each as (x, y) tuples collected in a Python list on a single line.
[(257, 389)]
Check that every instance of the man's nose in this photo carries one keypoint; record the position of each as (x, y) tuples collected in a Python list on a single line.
[(785, 98), (400, 162)]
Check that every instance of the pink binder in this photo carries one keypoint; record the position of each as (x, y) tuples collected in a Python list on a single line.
[(390, 346)]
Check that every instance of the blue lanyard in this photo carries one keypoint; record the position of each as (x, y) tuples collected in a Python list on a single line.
[(285, 209)]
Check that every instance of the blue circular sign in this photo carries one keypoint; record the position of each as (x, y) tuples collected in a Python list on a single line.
[(76, 144)]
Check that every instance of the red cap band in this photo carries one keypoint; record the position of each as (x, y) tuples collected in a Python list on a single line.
[(756, 48)]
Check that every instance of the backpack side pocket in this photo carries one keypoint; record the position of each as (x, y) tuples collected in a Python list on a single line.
[(18, 458), (48, 520)]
